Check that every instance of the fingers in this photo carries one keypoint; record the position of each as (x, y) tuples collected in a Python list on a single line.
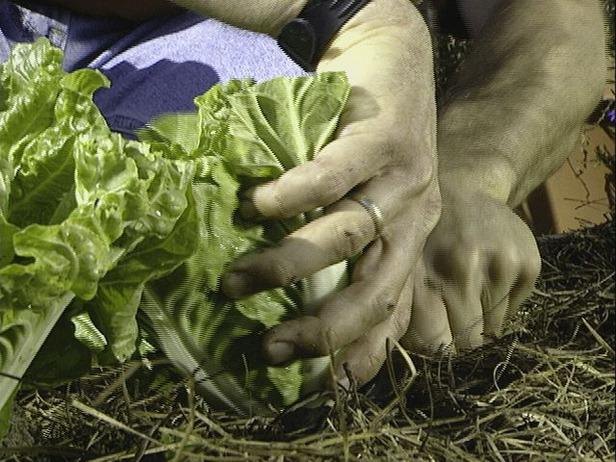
[(429, 329), (343, 164), (467, 294), (336, 236), (465, 315), (461, 273), (347, 315), (377, 282), (512, 273), (345, 230), (494, 317), (364, 357)]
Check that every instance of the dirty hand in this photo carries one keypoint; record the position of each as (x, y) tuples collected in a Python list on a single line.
[(385, 151), (480, 263)]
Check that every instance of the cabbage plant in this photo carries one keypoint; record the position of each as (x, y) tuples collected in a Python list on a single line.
[(109, 245)]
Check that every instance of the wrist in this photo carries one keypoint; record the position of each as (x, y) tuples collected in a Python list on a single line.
[(395, 11), (385, 50), (377, 20), (491, 176)]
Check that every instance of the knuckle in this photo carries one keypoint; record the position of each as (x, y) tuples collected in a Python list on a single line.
[(388, 151), (395, 147), (384, 303), (349, 242), (504, 263), (327, 186), (280, 273), (326, 341), (278, 206), (509, 256), (464, 261), (425, 176), (312, 337), (422, 189), (401, 323)]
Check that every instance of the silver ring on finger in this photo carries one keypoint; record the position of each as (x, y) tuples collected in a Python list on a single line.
[(375, 213)]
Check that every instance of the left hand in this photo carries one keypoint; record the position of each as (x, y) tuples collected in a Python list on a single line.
[(385, 151), (479, 264)]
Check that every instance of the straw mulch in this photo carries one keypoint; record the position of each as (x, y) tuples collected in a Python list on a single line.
[(543, 392)]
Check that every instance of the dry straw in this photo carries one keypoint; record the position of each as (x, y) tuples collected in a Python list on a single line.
[(543, 392)]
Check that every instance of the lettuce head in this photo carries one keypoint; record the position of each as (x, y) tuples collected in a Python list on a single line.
[(103, 239)]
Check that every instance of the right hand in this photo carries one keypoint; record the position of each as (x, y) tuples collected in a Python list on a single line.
[(385, 150)]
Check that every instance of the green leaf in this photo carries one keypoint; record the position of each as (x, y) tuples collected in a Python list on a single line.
[(118, 226), (181, 129), (249, 133), (7, 230), (5, 414), (264, 129), (87, 333), (78, 199), (47, 165), (22, 332), (114, 310), (29, 92), (165, 235)]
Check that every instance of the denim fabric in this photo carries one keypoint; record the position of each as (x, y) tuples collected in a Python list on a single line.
[(156, 66)]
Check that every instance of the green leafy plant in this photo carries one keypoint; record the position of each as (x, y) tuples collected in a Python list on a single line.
[(106, 241)]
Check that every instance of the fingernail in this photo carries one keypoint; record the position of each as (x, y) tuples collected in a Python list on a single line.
[(236, 285), (279, 352)]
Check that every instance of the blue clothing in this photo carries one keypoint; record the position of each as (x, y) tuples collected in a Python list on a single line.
[(155, 66)]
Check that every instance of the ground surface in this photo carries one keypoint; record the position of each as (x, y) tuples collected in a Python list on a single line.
[(544, 392)]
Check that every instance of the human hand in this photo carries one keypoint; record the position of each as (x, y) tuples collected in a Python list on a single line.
[(480, 263), (385, 150)]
